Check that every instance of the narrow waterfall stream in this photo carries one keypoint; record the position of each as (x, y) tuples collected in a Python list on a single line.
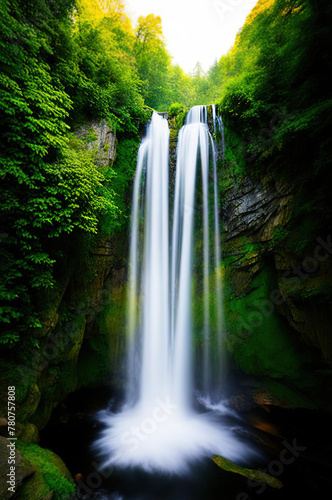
[(171, 414)]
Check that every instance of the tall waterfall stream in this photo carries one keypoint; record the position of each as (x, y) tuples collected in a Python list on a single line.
[(171, 414)]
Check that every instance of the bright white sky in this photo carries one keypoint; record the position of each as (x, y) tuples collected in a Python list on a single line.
[(195, 30)]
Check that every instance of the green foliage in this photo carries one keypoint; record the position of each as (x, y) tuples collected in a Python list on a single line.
[(257, 338), (174, 109), (276, 103), (104, 81), (276, 86), (153, 61), (57, 71), (179, 112), (33, 111), (51, 475), (124, 166), (279, 235), (180, 87)]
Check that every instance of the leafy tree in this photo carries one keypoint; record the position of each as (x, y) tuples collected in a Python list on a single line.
[(180, 86), (56, 69), (153, 61)]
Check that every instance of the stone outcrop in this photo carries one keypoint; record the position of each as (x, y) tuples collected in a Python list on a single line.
[(276, 298), (50, 477), (257, 208), (99, 137)]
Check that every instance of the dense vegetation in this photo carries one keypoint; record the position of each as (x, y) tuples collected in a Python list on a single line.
[(276, 102), (62, 64), (66, 62), (57, 69), (276, 89)]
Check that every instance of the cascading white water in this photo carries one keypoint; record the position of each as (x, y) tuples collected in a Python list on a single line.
[(149, 270), (196, 151), (217, 121), (158, 428)]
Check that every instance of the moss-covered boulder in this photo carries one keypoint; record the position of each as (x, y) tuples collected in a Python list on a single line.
[(51, 478), (23, 470)]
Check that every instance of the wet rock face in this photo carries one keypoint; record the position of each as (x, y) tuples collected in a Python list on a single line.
[(255, 207), (277, 294)]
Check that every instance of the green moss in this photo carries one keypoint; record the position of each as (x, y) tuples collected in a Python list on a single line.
[(101, 349), (89, 136), (260, 342), (198, 309), (279, 235), (289, 395), (51, 475), (177, 113), (173, 134), (121, 176), (19, 376), (241, 244), (175, 109), (112, 322), (254, 475), (29, 434)]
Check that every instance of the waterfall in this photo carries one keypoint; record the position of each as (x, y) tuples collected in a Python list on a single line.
[(218, 125), (196, 150), (148, 269), (158, 427)]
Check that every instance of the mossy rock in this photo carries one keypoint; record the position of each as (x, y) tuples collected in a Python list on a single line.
[(75, 340), (27, 392), (173, 135), (19, 376), (29, 433), (104, 344), (254, 475), (259, 341), (23, 470), (59, 381), (30, 404), (51, 475)]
